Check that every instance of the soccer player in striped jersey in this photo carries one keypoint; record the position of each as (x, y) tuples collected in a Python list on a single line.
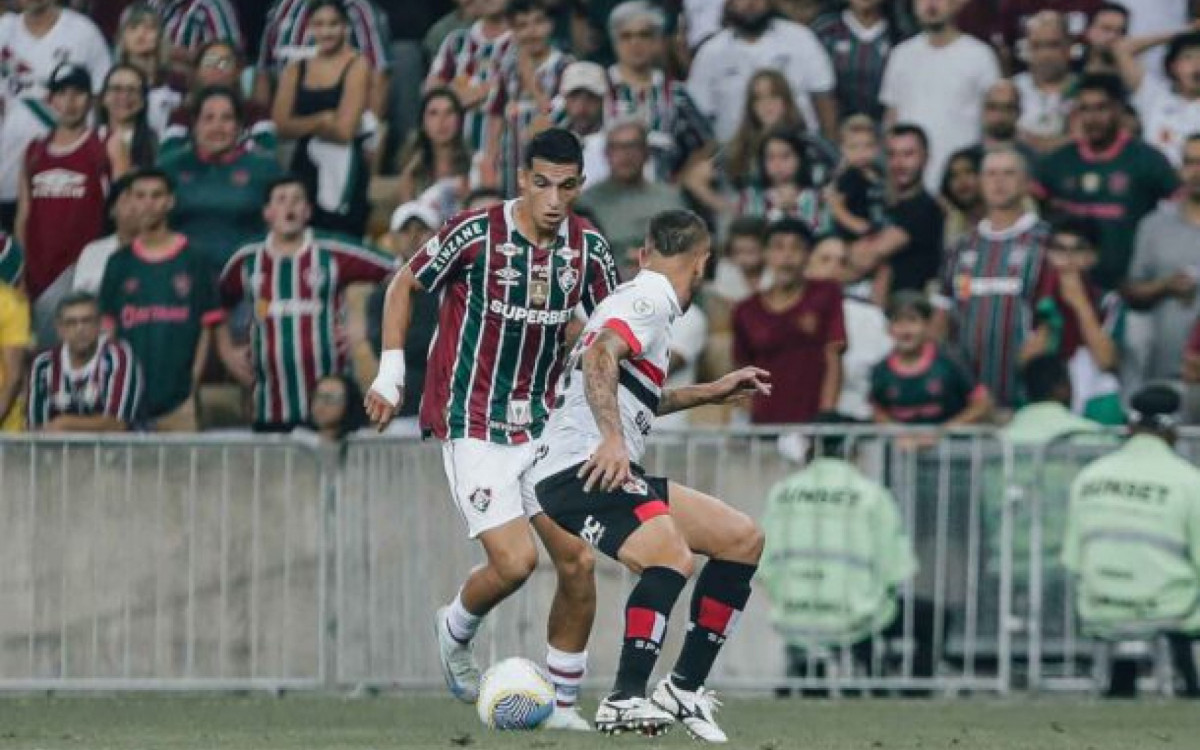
[(287, 39), (510, 278), (588, 480), (994, 276), (467, 64), (294, 278), (89, 382)]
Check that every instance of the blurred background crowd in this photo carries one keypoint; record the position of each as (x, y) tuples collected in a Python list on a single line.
[(917, 204)]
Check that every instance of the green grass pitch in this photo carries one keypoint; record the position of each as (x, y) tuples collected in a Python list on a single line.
[(211, 722)]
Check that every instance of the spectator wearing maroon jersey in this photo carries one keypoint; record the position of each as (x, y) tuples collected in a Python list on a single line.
[(796, 329), (62, 189)]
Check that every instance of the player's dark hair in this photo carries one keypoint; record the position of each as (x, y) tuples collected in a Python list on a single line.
[(791, 226), (74, 299), (1046, 379), (516, 8), (555, 145), (1108, 84), (151, 173), (1180, 43), (909, 301), (1079, 227), (676, 232), (285, 180), (338, 7), (218, 92), (901, 129)]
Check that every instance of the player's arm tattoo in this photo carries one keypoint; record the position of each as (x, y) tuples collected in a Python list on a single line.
[(600, 368), (683, 398)]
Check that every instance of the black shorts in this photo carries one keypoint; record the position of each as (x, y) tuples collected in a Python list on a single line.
[(602, 519)]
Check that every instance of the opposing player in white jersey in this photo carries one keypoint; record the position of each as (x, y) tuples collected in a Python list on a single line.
[(32, 44), (588, 480)]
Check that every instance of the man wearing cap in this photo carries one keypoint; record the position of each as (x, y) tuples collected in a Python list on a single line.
[(32, 43), (580, 109), (62, 189), (1133, 539)]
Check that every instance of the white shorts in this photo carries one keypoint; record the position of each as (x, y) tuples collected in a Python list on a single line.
[(488, 482)]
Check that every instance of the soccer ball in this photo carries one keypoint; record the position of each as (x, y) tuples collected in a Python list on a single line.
[(514, 694)]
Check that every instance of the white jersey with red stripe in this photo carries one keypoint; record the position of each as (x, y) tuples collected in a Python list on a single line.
[(641, 312)]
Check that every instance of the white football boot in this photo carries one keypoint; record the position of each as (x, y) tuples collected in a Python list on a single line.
[(638, 715), (694, 709), (567, 718), (458, 663)]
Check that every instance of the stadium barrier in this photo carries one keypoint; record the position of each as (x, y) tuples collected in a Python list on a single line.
[(243, 562)]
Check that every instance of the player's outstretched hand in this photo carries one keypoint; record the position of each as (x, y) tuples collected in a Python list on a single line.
[(608, 467), (740, 385), (380, 410)]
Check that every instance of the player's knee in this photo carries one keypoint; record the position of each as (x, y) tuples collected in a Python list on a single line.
[(514, 566), (746, 540), (576, 568)]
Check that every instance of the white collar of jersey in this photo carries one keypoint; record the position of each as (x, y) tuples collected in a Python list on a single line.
[(614, 76), (862, 32), (511, 221), (1023, 224), (269, 243), (646, 276), (86, 370)]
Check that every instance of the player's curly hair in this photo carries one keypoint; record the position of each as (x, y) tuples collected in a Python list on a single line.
[(676, 232)]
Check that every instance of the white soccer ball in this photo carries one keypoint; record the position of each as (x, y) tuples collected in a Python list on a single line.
[(515, 694)]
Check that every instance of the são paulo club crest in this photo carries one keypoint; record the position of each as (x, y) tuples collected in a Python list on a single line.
[(635, 486), (481, 499)]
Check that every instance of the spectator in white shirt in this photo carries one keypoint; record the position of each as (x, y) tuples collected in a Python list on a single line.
[(126, 222), (754, 39), (938, 80), (1170, 112), (1046, 86), (1153, 18)]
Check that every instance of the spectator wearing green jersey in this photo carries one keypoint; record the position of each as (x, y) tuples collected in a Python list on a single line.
[(835, 555), (159, 295), (220, 181), (1106, 175), (920, 383), (1133, 540)]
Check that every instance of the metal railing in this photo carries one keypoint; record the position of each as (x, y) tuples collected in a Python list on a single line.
[(237, 562)]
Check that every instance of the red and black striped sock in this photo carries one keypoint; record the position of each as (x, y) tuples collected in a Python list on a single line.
[(718, 599), (646, 613)]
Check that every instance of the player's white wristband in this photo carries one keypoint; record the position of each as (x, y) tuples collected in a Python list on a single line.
[(390, 378)]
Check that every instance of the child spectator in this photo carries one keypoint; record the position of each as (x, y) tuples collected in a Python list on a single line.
[(528, 77), (63, 185), (89, 382), (742, 272), (920, 383), (785, 189), (857, 200), (1077, 322), (795, 330)]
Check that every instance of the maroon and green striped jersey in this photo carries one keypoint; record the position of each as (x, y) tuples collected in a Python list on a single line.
[(990, 283), (110, 384), (470, 55), (505, 305), (297, 301), (859, 56)]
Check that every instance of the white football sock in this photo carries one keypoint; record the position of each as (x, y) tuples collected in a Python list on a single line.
[(566, 672), (459, 622)]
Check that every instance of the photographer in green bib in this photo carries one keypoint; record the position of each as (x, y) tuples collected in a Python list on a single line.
[(1133, 541)]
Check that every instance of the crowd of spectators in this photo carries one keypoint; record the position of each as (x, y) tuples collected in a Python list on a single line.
[(912, 200)]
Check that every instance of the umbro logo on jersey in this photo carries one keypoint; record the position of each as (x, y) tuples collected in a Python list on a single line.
[(508, 276), (567, 254)]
